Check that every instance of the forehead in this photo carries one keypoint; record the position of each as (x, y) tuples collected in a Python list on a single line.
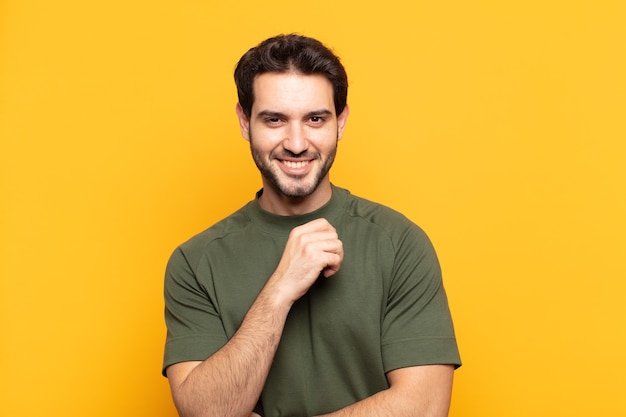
[(292, 91)]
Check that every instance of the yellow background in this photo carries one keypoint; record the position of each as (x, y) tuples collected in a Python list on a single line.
[(497, 126)]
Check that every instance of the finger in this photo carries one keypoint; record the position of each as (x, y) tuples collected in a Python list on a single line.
[(329, 272), (316, 225), (323, 244), (332, 267)]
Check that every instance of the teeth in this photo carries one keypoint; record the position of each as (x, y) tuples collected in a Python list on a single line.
[(295, 165)]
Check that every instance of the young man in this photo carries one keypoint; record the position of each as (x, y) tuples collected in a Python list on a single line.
[(307, 301)]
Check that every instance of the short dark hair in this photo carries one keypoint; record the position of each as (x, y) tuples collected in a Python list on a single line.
[(285, 53)]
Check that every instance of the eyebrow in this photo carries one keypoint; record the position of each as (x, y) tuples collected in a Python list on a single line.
[(323, 112), (270, 113)]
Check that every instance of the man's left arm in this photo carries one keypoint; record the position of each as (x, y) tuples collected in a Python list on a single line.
[(416, 391), (417, 322)]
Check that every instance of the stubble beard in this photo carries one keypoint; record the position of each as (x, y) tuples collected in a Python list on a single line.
[(299, 187)]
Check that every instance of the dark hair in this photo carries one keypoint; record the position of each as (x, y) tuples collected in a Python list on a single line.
[(285, 53)]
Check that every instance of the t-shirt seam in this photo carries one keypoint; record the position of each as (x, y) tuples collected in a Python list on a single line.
[(209, 242), (409, 224), (416, 339), (191, 336), (377, 225)]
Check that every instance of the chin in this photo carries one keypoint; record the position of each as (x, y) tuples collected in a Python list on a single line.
[(297, 189), (297, 192)]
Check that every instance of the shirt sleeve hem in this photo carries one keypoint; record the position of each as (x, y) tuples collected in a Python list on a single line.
[(190, 348), (423, 351)]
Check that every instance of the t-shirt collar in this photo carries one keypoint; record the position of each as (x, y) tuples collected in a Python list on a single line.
[(278, 224)]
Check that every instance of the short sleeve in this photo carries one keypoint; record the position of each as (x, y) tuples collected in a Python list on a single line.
[(417, 325), (194, 328)]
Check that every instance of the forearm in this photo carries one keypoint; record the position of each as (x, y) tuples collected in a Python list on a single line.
[(387, 404), (229, 382), (420, 391), (382, 404)]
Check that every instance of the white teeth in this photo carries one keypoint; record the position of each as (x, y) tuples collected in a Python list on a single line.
[(295, 165)]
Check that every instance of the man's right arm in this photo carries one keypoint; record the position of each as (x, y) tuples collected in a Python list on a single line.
[(230, 381)]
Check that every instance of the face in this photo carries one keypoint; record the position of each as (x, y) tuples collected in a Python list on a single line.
[(293, 133)]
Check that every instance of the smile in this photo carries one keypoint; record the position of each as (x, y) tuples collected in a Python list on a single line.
[(295, 164)]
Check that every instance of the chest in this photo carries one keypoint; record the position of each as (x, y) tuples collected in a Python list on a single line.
[(237, 270)]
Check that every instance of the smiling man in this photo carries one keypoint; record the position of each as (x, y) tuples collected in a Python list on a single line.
[(307, 301)]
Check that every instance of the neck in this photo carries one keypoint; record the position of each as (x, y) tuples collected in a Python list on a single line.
[(275, 202)]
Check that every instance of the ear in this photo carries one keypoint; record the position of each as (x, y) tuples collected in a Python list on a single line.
[(244, 122), (342, 119)]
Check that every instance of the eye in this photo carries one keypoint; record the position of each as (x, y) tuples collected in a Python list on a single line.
[(273, 121), (317, 119)]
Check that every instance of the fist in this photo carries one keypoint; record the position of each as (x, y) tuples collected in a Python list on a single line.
[(312, 249)]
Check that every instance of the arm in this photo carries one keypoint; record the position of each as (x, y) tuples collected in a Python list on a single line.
[(417, 391), (230, 381), (418, 306)]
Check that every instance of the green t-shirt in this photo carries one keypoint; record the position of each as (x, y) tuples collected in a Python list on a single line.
[(385, 308)]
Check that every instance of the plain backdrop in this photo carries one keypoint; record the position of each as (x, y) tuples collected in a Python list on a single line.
[(497, 126)]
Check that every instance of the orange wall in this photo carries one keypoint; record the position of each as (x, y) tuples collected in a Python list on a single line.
[(497, 126)]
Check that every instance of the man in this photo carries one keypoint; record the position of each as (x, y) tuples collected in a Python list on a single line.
[(307, 301)]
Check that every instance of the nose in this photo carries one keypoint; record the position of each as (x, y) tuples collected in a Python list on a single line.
[(295, 140)]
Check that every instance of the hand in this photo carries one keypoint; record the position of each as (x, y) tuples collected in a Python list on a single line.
[(312, 249)]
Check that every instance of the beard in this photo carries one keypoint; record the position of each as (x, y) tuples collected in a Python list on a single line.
[(295, 187)]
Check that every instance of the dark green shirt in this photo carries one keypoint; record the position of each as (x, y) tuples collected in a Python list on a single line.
[(385, 308)]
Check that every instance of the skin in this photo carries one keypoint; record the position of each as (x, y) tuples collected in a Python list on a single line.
[(293, 133)]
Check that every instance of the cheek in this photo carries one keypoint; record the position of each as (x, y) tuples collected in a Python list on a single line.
[(325, 138), (264, 138)]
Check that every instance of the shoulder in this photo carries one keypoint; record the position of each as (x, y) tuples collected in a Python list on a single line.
[(379, 215), (378, 221), (198, 244), (372, 211)]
